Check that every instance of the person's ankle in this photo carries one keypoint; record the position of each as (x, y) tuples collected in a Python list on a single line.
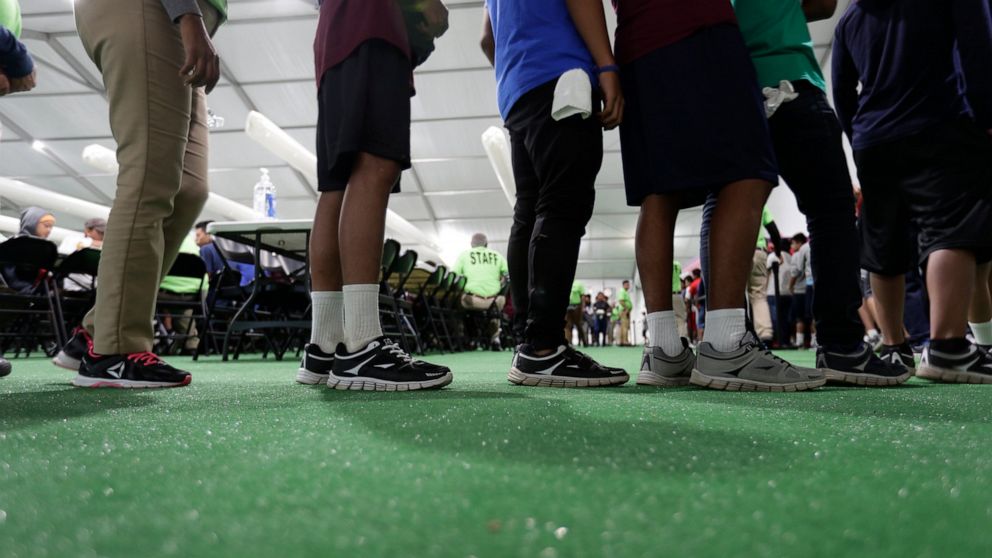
[(953, 345)]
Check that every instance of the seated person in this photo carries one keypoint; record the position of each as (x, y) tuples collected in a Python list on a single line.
[(35, 223), (484, 270), (215, 261)]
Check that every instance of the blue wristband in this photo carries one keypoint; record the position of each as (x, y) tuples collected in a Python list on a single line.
[(608, 68)]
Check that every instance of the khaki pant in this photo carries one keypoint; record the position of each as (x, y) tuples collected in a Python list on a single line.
[(757, 292), (681, 316), (575, 318), (625, 328), (160, 126), (483, 304)]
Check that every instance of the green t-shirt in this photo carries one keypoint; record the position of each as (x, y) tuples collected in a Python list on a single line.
[(578, 289), (221, 6), (766, 217), (676, 277), (184, 285), (10, 16), (778, 38), (623, 299), (616, 312), (483, 269)]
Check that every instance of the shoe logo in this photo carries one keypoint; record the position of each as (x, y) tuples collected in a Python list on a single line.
[(116, 370), (387, 365), (549, 371), (354, 371)]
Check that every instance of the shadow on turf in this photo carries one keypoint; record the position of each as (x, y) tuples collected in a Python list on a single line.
[(30, 408), (899, 402), (556, 433)]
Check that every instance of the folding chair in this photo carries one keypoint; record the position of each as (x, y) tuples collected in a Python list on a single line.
[(76, 277), (184, 306), (31, 315)]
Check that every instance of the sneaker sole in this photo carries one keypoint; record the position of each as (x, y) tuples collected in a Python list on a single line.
[(867, 380), (540, 380), (949, 376), (649, 378), (87, 382), (738, 384), (371, 384), (63, 360), (304, 376)]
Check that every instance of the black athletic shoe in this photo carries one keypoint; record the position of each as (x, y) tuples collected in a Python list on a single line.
[(74, 350), (136, 370), (384, 366), (899, 354), (565, 367), (861, 368), (315, 367), (5, 367), (973, 366)]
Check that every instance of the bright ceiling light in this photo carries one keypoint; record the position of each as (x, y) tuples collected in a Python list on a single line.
[(38, 145)]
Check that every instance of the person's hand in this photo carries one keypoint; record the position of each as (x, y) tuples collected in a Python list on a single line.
[(202, 66), (435, 18), (612, 113), (22, 84), (4, 85)]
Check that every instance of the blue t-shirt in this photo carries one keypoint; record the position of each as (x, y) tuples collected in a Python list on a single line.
[(536, 42)]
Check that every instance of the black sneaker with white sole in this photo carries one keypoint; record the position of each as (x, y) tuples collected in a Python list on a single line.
[(899, 354), (315, 367), (861, 367), (382, 365), (565, 367), (751, 368), (72, 353), (973, 366), (136, 370)]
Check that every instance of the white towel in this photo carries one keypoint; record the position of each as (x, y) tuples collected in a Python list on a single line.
[(573, 95), (775, 98)]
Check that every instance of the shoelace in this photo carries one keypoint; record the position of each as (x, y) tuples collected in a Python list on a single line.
[(145, 359), (398, 351)]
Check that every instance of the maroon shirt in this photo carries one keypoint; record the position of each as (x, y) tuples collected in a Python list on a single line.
[(647, 25), (345, 24)]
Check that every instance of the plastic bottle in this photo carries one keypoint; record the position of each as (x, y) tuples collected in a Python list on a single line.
[(264, 197)]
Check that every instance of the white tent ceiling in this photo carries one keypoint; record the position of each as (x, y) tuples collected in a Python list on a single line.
[(266, 49)]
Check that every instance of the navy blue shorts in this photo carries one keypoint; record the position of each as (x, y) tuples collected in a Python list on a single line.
[(694, 119)]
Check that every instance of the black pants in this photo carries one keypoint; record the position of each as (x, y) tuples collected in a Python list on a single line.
[(808, 144), (555, 166)]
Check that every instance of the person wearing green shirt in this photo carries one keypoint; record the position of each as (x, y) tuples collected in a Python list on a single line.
[(575, 315), (625, 304), (484, 270), (808, 144), (158, 64)]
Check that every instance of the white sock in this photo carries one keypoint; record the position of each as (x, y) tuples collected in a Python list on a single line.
[(800, 340), (663, 332), (361, 315), (328, 320), (982, 332), (872, 333), (725, 329)]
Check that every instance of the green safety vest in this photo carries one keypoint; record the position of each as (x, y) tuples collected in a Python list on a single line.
[(10, 16)]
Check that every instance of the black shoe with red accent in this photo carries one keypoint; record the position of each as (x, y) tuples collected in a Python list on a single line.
[(136, 370), (74, 350)]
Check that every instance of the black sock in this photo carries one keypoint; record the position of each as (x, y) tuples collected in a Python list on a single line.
[(950, 346)]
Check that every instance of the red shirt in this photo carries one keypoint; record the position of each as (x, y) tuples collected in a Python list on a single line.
[(647, 25), (345, 24)]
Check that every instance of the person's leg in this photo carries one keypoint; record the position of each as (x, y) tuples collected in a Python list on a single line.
[(655, 231), (757, 289), (732, 232), (980, 311), (524, 215), (950, 280), (361, 232), (326, 280), (890, 295), (681, 317), (150, 113)]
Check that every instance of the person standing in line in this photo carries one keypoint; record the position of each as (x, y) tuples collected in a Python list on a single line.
[(678, 302), (557, 151), (801, 287), (913, 92), (590, 320), (696, 125), (626, 305), (158, 64), (601, 311), (575, 313), (364, 57)]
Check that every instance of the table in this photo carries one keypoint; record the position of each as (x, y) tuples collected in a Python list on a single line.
[(268, 243)]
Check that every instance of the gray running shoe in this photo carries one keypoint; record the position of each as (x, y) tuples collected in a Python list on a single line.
[(751, 368), (659, 369)]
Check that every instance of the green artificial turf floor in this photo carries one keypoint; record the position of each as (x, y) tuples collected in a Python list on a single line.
[(246, 463)]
